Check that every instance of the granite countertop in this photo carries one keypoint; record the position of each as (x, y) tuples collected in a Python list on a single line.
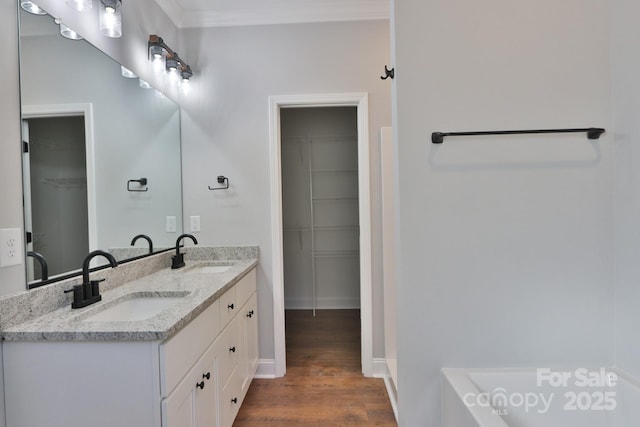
[(195, 291)]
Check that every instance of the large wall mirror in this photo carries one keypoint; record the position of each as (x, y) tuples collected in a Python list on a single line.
[(102, 155)]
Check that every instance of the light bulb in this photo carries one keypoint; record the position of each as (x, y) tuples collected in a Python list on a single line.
[(80, 5), (110, 18), (185, 85)]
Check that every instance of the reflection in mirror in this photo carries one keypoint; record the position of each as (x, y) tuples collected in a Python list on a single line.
[(102, 155)]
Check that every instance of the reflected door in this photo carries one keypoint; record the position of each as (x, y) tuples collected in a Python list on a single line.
[(58, 200)]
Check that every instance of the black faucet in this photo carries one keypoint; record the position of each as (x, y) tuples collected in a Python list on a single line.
[(44, 268), (177, 261), (145, 237), (89, 291)]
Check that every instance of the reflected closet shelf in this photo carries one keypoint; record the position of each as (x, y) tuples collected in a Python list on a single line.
[(336, 254), (323, 228)]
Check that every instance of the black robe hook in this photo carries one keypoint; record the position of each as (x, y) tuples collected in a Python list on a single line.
[(388, 73)]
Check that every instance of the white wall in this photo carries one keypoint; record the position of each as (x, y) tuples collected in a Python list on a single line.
[(626, 70), (12, 279), (506, 242), (226, 127)]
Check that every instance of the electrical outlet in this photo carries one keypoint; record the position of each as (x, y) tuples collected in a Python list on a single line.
[(171, 224), (195, 223), (10, 247)]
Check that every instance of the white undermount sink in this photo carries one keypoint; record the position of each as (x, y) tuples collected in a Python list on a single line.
[(208, 268), (135, 307)]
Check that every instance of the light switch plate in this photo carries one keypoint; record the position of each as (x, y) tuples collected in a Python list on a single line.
[(171, 224), (10, 247), (195, 223)]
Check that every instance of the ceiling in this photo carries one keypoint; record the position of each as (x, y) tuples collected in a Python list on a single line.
[(219, 13)]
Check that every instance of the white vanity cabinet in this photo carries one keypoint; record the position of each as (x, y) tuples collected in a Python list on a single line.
[(236, 355), (196, 378), (193, 402)]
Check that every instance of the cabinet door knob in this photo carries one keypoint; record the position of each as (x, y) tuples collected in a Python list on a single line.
[(233, 349), (207, 375), (200, 385), (230, 306), (234, 400), (250, 314)]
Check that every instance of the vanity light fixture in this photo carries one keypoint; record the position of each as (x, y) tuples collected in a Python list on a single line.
[(172, 68), (80, 5), (31, 7), (67, 32), (111, 18), (166, 59)]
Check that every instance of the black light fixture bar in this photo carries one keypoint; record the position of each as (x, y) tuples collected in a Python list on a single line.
[(156, 42), (592, 133)]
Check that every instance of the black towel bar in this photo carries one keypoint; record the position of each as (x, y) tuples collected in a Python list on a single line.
[(592, 133)]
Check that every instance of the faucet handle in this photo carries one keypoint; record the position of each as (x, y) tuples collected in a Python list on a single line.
[(95, 287), (78, 295)]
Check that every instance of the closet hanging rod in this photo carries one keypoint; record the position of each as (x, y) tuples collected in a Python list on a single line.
[(592, 133)]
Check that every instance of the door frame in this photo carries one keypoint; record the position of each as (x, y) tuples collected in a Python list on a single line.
[(85, 110), (361, 102)]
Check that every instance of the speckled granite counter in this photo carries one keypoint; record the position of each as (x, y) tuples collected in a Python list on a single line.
[(196, 292)]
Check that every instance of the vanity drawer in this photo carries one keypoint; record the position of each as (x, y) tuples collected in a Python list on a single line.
[(246, 287), (227, 350), (231, 399), (228, 306), (180, 352)]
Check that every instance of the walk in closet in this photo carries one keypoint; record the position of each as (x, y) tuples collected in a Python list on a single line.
[(320, 207)]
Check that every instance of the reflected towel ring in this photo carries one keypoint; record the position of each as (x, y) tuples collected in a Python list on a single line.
[(221, 180), (142, 182)]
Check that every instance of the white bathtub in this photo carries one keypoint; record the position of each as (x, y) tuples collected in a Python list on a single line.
[(539, 398)]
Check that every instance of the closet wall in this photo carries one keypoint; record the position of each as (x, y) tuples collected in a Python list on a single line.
[(320, 207)]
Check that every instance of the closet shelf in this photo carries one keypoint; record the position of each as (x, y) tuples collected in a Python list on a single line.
[(333, 172), (323, 228), (336, 253), (335, 199)]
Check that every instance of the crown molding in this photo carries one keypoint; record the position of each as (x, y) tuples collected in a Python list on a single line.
[(283, 12)]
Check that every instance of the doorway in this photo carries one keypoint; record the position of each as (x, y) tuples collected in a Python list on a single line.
[(56, 210), (319, 149), (71, 176), (360, 102)]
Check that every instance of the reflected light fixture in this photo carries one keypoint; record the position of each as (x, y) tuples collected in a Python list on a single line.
[(111, 18), (167, 60), (80, 5), (67, 32), (127, 72), (31, 7), (144, 84)]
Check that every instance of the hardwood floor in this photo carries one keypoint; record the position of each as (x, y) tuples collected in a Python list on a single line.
[(324, 385)]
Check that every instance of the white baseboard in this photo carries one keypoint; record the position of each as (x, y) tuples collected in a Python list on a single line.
[(381, 370), (333, 303), (393, 395), (266, 368)]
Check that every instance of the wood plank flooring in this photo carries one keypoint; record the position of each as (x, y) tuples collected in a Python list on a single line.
[(323, 386)]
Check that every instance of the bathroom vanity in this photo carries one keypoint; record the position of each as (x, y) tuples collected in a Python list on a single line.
[(175, 348)]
